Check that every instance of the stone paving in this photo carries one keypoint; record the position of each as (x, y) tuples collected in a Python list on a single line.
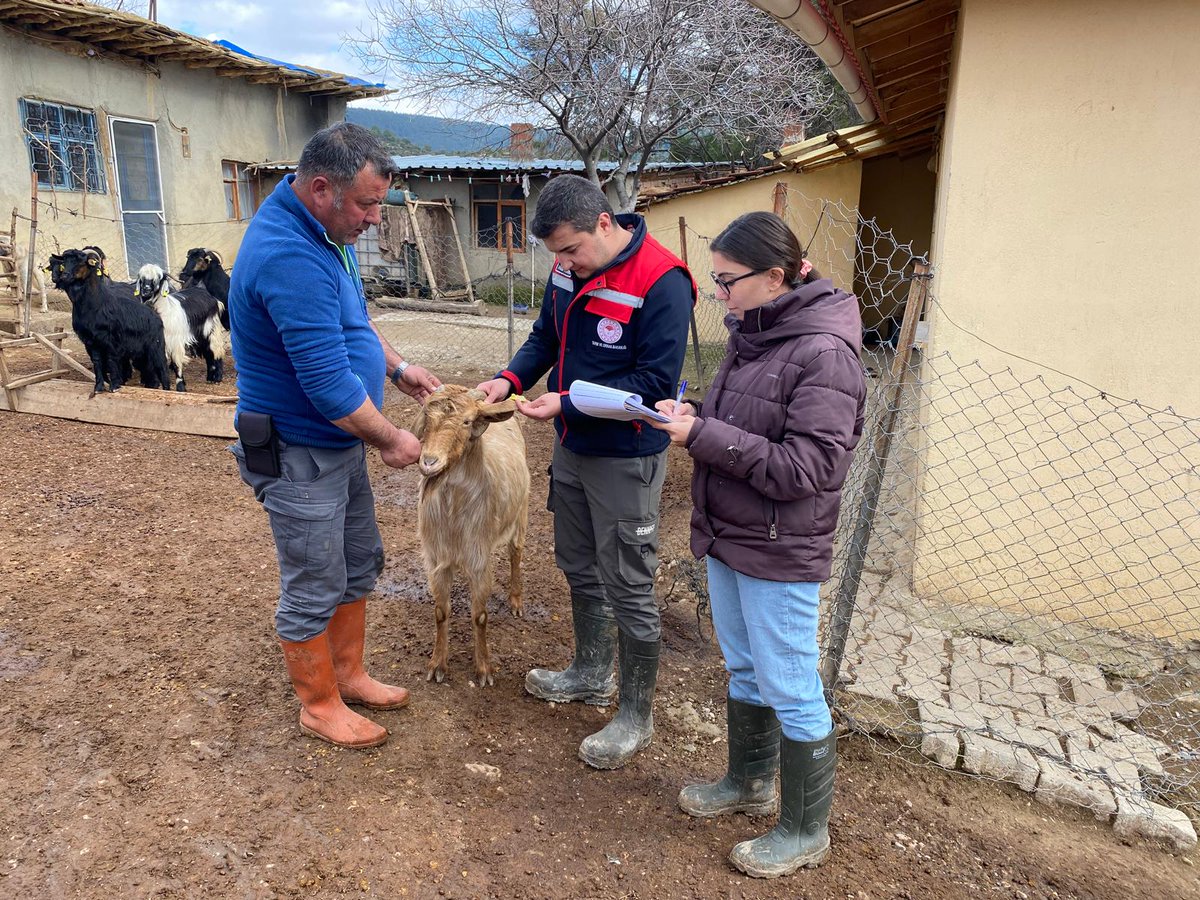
[(1014, 713)]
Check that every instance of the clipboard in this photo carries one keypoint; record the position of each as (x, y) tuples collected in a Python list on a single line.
[(611, 403)]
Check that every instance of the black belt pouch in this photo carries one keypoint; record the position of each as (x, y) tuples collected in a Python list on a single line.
[(260, 443)]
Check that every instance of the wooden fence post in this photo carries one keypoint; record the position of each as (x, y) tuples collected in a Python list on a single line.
[(683, 254), (508, 272), (780, 199), (30, 260)]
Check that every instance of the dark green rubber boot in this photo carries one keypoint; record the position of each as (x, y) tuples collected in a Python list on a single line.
[(632, 728), (589, 677), (806, 796), (749, 783)]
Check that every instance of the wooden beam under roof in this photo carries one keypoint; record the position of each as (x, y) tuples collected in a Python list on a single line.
[(923, 17), (932, 89), (916, 81), (936, 47), (857, 12), (938, 63), (127, 44), (918, 107), (907, 40)]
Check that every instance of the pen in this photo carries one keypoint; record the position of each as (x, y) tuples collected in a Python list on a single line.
[(679, 396)]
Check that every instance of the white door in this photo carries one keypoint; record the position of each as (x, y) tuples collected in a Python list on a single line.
[(139, 189)]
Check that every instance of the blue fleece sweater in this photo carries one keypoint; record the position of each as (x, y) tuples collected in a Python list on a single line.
[(302, 339)]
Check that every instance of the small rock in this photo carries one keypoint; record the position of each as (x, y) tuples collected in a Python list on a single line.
[(491, 773)]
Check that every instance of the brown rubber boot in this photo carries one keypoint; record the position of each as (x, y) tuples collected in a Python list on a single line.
[(347, 633), (323, 714)]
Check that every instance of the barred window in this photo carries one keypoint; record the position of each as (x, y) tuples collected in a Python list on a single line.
[(240, 196), (493, 204), (63, 145)]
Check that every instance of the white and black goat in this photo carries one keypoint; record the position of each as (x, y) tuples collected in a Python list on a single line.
[(191, 323), (203, 267), (115, 329)]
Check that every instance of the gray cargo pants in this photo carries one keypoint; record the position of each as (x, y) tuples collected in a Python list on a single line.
[(322, 514), (606, 533)]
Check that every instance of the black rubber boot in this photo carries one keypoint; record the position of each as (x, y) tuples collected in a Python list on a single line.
[(632, 728), (589, 677), (802, 836), (749, 783)]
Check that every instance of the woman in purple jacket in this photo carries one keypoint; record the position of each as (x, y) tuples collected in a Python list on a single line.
[(771, 445)]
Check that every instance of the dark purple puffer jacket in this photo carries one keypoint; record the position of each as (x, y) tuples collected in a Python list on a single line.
[(776, 434)]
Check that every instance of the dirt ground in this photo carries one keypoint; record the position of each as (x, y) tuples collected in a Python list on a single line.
[(150, 745)]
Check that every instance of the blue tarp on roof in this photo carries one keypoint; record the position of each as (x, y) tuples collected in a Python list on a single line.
[(316, 73)]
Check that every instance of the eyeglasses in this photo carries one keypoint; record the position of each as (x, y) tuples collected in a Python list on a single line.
[(726, 284)]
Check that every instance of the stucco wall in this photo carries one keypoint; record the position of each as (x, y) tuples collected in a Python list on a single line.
[(225, 118), (1068, 199), (1069, 192), (817, 208)]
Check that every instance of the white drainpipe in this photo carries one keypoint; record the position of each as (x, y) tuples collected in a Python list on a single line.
[(802, 18)]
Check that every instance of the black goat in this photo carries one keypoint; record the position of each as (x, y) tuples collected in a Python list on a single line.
[(113, 328), (191, 323), (120, 288), (204, 267)]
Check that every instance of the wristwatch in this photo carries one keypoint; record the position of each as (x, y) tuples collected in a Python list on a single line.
[(398, 373)]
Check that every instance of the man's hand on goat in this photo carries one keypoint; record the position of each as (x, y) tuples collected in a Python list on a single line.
[(497, 389), (404, 452), (418, 382), (544, 407)]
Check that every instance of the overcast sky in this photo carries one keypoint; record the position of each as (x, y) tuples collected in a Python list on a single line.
[(307, 32)]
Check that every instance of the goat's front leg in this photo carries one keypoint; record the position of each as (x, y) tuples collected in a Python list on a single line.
[(481, 589), (440, 581), (516, 550), (99, 367)]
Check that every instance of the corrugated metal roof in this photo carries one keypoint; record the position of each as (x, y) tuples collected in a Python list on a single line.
[(439, 163)]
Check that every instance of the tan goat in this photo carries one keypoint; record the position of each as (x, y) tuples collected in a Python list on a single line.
[(474, 500)]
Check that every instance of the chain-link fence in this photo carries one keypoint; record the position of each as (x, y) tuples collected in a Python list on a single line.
[(1014, 591)]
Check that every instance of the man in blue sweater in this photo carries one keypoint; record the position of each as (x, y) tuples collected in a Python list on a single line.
[(311, 367), (616, 311)]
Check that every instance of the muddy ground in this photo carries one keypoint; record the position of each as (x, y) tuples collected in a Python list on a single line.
[(150, 747)]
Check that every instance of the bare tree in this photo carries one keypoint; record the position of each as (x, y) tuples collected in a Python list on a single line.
[(618, 79)]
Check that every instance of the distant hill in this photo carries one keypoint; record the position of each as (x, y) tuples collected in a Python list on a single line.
[(439, 135)]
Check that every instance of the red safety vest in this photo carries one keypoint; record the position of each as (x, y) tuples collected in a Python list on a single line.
[(617, 292)]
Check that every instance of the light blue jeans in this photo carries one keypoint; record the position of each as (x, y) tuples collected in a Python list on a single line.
[(768, 634)]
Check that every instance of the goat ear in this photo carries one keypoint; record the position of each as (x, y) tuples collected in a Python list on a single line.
[(418, 425), (93, 260), (498, 412)]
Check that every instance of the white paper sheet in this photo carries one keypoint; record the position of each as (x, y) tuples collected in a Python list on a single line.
[(611, 403)]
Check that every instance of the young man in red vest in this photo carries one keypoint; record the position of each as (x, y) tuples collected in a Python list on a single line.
[(616, 312)]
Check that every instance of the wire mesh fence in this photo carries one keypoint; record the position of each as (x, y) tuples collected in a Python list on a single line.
[(1014, 592)]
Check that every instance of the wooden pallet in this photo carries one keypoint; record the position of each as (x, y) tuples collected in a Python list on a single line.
[(46, 393)]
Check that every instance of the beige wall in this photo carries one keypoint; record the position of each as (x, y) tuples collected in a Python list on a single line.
[(226, 118), (1067, 209), (820, 208), (1069, 192)]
